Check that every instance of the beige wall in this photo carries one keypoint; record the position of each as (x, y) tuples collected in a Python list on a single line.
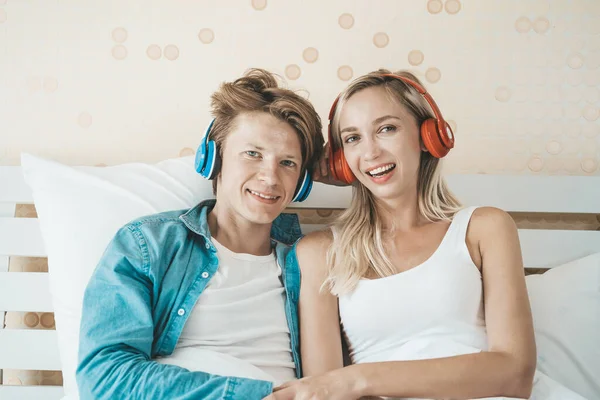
[(104, 82)]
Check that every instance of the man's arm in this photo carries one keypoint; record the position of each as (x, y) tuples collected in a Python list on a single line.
[(117, 332)]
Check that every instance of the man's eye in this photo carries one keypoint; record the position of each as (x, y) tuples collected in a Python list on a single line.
[(252, 153), (288, 163), (388, 128)]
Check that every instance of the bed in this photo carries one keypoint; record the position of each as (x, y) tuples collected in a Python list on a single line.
[(558, 219)]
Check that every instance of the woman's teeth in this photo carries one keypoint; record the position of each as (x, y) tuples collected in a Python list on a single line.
[(382, 170)]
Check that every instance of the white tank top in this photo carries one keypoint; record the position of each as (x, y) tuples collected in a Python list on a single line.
[(432, 310)]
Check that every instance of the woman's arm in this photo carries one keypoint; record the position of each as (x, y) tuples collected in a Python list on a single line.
[(506, 369), (320, 336)]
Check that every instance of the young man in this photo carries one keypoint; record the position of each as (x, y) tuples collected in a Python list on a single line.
[(214, 288)]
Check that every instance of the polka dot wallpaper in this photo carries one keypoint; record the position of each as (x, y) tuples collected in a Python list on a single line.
[(104, 84), (101, 83)]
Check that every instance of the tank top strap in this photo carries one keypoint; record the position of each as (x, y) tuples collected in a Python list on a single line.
[(461, 220), (455, 240)]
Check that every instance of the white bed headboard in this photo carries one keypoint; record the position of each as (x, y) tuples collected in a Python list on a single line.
[(28, 291), (516, 194)]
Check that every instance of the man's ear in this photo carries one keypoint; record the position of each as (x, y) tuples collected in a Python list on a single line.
[(215, 183)]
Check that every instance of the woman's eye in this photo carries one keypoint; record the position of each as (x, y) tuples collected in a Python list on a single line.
[(252, 153), (350, 139), (388, 128)]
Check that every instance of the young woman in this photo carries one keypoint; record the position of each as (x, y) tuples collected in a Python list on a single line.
[(431, 295), (201, 303)]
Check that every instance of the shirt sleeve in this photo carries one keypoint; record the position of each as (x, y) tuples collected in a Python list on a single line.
[(117, 333), (286, 228)]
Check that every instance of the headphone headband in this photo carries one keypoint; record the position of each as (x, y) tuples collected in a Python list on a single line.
[(419, 88), (436, 134), (208, 164), (423, 92)]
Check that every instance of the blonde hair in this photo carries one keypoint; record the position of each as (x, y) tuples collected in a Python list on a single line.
[(357, 246), (259, 91)]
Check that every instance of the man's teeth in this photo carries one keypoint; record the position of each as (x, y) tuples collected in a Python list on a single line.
[(381, 170), (263, 195)]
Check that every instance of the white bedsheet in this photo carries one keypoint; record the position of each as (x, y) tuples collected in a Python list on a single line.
[(215, 363), (544, 388)]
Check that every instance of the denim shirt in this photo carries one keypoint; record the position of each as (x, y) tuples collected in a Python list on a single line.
[(140, 296)]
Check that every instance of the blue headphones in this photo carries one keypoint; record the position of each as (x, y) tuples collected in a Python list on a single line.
[(208, 164)]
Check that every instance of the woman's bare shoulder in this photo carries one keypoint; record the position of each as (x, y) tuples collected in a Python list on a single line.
[(312, 249), (316, 240), (487, 220)]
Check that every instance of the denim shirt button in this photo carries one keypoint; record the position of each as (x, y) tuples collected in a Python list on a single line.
[(181, 312), (205, 274), (207, 246)]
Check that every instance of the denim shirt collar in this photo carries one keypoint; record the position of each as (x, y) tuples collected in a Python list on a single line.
[(285, 228)]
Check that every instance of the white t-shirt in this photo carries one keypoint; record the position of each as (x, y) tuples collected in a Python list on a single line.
[(238, 326)]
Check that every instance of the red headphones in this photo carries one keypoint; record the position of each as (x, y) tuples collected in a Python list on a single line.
[(436, 134)]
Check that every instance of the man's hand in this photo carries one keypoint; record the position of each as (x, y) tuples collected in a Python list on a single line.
[(334, 385), (322, 173)]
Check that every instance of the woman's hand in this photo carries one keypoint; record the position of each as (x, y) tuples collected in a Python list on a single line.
[(334, 385), (322, 173)]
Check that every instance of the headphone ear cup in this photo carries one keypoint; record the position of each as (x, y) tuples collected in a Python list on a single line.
[(446, 134), (431, 139), (339, 168), (347, 174), (209, 170), (216, 162), (304, 188), (208, 160), (200, 160)]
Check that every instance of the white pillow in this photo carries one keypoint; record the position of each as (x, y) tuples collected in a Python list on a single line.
[(80, 209), (565, 303)]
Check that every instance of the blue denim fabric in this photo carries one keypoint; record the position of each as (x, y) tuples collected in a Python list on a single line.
[(140, 296)]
